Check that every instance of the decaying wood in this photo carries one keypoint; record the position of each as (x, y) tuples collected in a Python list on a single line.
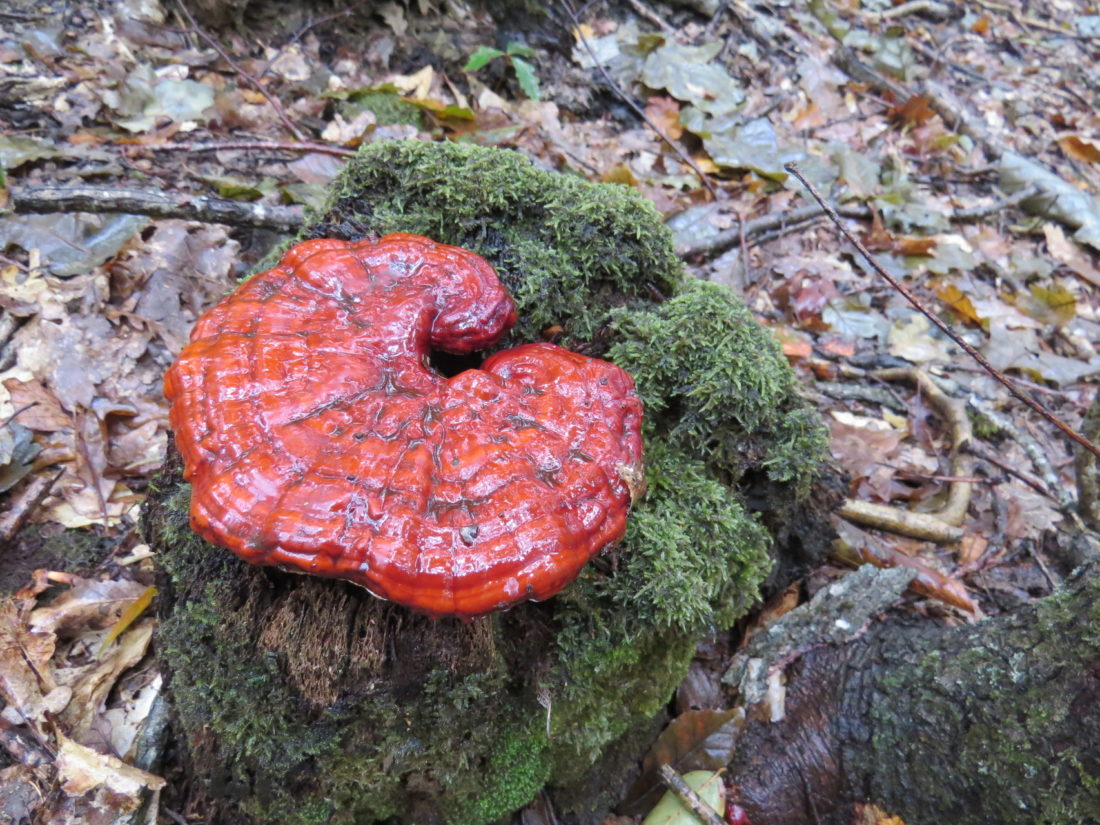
[(41, 200), (994, 722)]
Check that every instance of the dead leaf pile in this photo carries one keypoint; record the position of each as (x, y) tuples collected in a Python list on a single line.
[(76, 698)]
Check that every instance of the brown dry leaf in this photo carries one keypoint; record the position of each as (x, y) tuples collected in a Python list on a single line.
[(861, 444), (914, 246), (26, 683), (971, 548), (91, 683), (915, 111), (1084, 149), (665, 114), (81, 769), (89, 605), (1069, 253), (1029, 513), (959, 302)]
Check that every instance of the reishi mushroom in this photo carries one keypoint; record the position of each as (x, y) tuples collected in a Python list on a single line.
[(317, 438)]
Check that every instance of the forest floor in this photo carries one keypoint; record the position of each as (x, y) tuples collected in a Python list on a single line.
[(960, 142)]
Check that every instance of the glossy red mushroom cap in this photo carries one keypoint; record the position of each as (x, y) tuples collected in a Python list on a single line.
[(317, 438)]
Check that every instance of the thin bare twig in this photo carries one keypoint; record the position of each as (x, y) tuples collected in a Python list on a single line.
[(245, 145), (43, 200), (274, 101), (680, 153), (729, 238), (688, 798), (977, 213), (1008, 383)]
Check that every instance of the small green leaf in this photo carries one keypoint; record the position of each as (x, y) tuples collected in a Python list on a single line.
[(520, 50), (528, 80), (481, 56)]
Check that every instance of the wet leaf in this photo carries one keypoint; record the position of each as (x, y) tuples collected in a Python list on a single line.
[(736, 145), (16, 150), (1057, 199), (1019, 349), (671, 811), (687, 74), (17, 454), (88, 604), (697, 739), (70, 243)]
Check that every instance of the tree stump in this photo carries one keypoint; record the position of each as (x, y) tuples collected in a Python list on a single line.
[(308, 700)]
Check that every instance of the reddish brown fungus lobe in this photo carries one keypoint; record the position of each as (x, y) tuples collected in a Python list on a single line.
[(317, 438)]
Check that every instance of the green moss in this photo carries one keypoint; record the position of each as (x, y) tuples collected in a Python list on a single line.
[(517, 770), (704, 396), (607, 652), (548, 235), (389, 108), (1003, 710)]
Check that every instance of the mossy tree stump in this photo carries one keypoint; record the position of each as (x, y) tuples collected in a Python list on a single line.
[(308, 700)]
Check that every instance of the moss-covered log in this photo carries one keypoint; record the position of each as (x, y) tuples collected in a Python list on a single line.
[(309, 700), (994, 722)]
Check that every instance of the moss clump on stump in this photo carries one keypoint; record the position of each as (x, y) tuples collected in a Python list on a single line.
[(311, 699)]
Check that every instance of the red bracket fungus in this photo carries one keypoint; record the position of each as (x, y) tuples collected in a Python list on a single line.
[(317, 437)]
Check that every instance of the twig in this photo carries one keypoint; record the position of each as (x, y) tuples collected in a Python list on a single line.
[(953, 411), (246, 145), (978, 213), (988, 454), (731, 237), (1034, 405), (931, 8), (24, 503), (568, 6), (1054, 488), (274, 101), (652, 16), (924, 526), (1088, 483), (688, 798), (42, 200)]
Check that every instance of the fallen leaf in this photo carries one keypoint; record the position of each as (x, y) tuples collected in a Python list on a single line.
[(1084, 149), (913, 112), (959, 302), (912, 339), (80, 769), (89, 604), (694, 740), (708, 785)]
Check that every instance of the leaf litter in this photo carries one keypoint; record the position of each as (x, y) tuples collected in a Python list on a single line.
[(94, 307)]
